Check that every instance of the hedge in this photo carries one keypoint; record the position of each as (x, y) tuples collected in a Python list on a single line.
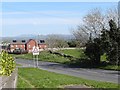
[(7, 64)]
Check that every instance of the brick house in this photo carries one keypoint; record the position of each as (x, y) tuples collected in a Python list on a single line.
[(30, 44), (41, 44), (26, 45)]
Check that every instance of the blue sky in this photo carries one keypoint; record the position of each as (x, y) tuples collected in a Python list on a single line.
[(45, 17)]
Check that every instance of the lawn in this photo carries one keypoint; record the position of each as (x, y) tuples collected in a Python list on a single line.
[(36, 78), (44, 56), (78, 53), (110, 67)]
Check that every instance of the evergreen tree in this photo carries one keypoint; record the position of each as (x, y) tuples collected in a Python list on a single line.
[(93, 50), (111, 43)]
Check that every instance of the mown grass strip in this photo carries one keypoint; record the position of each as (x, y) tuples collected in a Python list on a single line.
[(22, 84), (27, 81), (44, 79)]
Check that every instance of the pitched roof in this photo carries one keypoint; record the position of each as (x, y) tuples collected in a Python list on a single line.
[(18, 41), (41, 42), (29, 40), (26, 41)]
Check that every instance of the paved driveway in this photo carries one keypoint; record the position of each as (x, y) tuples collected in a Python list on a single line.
[(91, 74)]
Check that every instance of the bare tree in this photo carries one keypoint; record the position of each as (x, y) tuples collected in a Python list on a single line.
[(112, 14), (54, 41), (93, 23)]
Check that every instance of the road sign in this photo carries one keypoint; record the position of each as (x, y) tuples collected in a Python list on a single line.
[(35, 50)]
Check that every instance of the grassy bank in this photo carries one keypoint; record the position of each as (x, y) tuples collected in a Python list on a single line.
[(77, 53), (36, 78), (44, 56)]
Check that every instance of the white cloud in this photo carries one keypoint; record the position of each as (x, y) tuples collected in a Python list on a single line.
[(38, 21), (46, 13), (48, 17)]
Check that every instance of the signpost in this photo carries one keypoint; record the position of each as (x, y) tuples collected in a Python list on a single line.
[(35, 52)]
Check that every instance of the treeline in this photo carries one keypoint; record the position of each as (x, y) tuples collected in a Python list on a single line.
[(55, 41), (108, 43), (100, 34)]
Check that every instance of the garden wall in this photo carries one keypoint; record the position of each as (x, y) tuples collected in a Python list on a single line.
[(9, 81)]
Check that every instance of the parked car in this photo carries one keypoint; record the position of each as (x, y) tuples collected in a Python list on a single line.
[(19, 51)]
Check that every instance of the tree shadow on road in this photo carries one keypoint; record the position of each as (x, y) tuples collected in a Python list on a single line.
[(84, 63)]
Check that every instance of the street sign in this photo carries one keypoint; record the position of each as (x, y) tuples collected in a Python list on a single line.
[(35, 50)]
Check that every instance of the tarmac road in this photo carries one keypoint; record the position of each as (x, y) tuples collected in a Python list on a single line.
[(90, 74)]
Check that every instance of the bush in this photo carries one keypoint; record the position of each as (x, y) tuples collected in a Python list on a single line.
[(7, 64), (93, 51), (72, 43)]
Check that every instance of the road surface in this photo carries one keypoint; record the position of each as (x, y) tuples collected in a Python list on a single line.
[(91, 74)]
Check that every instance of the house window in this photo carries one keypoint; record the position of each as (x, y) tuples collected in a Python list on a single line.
[(29, 46), (23, 41), (12, 46), (42, 41), (14, 41), (45, 46)]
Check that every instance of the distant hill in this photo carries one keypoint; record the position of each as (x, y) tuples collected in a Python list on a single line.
[(30, 36)]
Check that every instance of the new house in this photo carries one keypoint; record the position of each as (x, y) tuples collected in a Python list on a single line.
[(26, 45)]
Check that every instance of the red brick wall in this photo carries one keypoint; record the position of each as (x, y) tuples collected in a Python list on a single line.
[(14, 46), (42, 46), (30, 45)]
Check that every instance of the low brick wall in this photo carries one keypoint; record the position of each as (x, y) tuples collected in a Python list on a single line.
[(9, 81)]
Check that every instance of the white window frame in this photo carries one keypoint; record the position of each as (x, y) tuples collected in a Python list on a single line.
[(12, 46), (29, 46)]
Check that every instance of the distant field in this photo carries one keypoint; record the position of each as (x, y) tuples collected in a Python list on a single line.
[(36, 78), (78, 53)]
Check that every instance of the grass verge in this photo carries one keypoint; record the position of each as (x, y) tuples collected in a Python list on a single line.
[(44, 56), (77, 53), (32, 77)]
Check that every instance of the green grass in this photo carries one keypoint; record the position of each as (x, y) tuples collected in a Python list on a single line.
[(32, 77), (44, 56), (78, 53), (103, 57), (18, 65), (110, 67), (22, 83)]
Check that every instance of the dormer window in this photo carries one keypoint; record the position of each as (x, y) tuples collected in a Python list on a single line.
[(42, 41), (23, 41), (14, 41)]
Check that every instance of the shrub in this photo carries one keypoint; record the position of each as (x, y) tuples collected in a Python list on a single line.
[(93, 50), (7, 63)]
